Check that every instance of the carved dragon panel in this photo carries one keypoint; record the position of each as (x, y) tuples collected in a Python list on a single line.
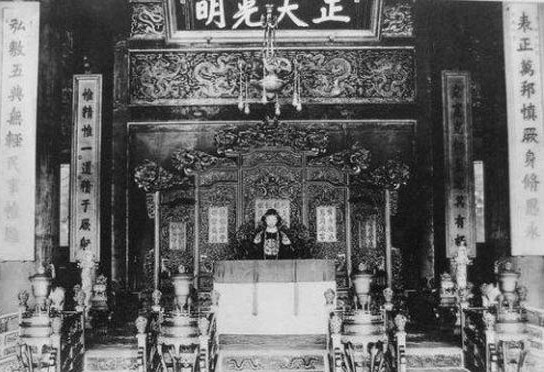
[(357, 75), (147, 20), (397, 20)]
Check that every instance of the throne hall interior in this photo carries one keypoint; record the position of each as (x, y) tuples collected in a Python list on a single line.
[(396, 141)]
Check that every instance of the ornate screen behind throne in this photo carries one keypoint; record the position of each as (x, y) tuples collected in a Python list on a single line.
[(234, 194), (311, 182)]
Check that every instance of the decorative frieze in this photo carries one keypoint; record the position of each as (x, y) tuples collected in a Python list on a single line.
[(328, 76), (147, 20), (271, 133)]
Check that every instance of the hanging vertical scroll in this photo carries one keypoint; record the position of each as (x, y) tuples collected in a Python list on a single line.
[(367, 232), (85, 182), (326, 224), (177, 233), (218, 225), (459, 171), (525, 132), (19, 35)]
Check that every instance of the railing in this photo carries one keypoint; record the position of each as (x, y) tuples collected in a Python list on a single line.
[(359, 340), (72, 341), (52, 343), (478, 339), (148, 327), (493, 347), (9, 334), (506, 334), (177, 341), (365, 342)]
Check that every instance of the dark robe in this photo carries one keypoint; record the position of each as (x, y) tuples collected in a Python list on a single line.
[(274, 245)]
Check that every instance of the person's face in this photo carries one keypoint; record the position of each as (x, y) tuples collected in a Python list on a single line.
[(271, 220)]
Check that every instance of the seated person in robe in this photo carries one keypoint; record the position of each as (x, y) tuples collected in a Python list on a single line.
[(270, 242)]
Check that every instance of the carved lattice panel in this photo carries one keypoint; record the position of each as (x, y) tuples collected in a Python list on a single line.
[(221, 195), (367, 224), (323, 194), (286, 157), (177, 206), (272, 182)]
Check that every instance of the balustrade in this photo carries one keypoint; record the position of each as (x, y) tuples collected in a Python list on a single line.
[(504, 335), (50, 338), (363, 335), (178, 339)]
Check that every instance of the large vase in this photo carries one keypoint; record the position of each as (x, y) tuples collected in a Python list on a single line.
[(508, 281), (41, 287), (182, 288), (361, 285)]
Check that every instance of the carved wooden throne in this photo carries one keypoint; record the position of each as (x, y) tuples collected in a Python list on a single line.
[(270, 165)]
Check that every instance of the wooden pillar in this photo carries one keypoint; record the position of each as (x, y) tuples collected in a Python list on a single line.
[(157, 250), (196, 254), (119, 251), (48, 133), (388, 255)]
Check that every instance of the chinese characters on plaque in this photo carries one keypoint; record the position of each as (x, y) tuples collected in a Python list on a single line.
[(19, 35), (526, 156), (283, 207), (459, 171), (291, 14), (177, 232), (218, 223), (85, 182), (326, 224)]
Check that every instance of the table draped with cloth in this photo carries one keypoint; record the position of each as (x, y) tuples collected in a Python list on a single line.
[(273, 297)]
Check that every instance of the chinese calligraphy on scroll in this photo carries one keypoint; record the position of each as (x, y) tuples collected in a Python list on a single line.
[(19, 35), (526, 152), (326, 224), (85, 182), (218, 225), (459, 171)]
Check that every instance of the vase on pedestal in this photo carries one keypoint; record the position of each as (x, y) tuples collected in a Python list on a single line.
[(182, 282), (41, 287), (509, 312), (361, 285), (508, 279)]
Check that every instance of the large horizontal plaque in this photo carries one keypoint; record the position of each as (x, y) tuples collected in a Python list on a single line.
[(298, 20)]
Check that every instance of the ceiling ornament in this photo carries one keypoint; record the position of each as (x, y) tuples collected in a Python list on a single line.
[(274, 71)]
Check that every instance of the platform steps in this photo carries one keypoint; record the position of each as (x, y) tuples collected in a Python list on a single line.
[(433, 352), (115, 351)]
